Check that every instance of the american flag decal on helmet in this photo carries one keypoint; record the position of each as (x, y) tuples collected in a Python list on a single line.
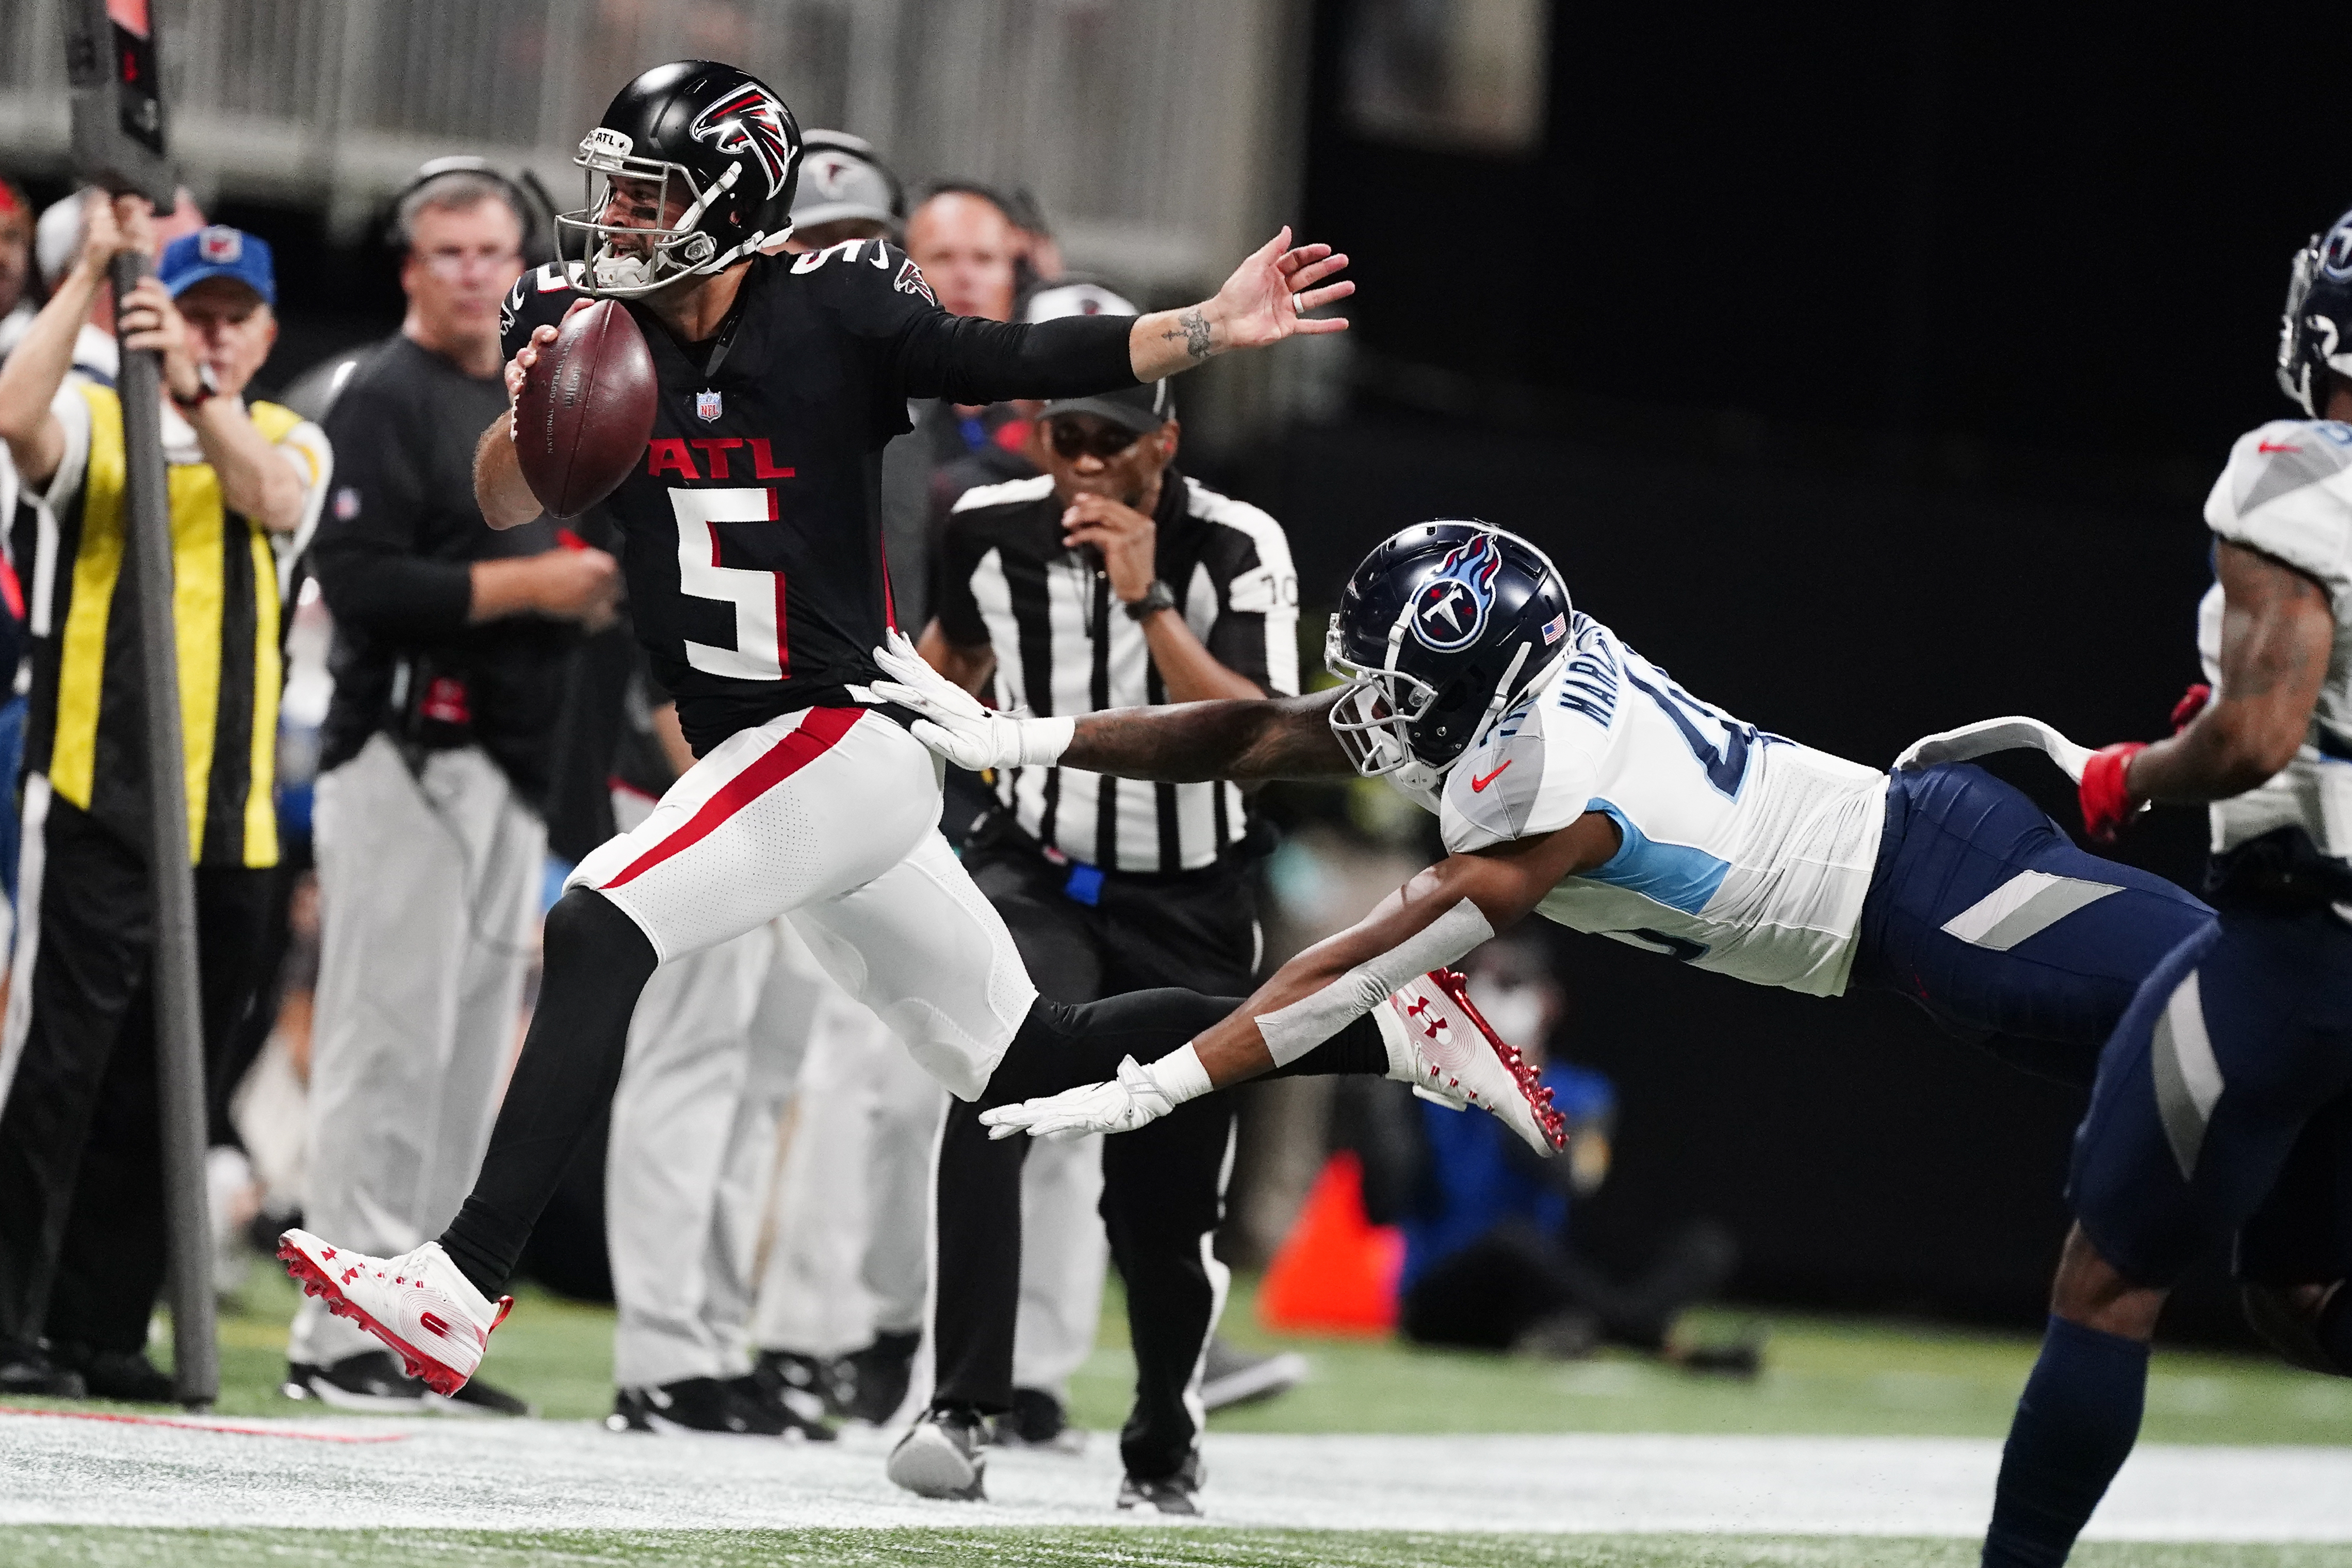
[(748, 121), (1552, 629)]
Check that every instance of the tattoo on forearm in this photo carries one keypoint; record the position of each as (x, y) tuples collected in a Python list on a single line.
[(1192, 328)]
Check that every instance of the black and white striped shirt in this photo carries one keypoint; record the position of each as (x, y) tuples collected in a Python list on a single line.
[(1064, 645)]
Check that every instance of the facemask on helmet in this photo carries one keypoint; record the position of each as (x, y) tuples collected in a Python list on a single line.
[(2317, 312), (692, 169), (1443, 629)]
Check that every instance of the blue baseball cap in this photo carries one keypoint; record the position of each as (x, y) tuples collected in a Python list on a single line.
[(218, 252)]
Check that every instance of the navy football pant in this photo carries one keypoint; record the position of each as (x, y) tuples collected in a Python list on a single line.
[(2222, 1108), (1984, 912)]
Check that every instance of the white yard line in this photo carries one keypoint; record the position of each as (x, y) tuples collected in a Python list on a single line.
[(525, 1476)]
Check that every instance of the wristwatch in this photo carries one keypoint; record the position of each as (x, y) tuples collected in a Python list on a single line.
[(208, 387), (1156, 598)]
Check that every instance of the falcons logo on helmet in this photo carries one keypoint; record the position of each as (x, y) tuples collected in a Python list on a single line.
[(748, 121)]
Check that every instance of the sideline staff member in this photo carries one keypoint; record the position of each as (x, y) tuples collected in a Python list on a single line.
[(1111, 581), (451, 640), (81, 1189)]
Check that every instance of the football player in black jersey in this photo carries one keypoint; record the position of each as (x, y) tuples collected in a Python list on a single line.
[(756, 582)]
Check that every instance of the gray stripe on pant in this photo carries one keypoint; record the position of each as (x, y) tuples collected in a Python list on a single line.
[(2187, 1078), (1988, 924)]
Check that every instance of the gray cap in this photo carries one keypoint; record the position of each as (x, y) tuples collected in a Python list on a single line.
[(841, 178)]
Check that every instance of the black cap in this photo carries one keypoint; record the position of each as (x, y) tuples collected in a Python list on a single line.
[(1141, 409)]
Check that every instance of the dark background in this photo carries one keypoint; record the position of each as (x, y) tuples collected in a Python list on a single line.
[(1867, 367)]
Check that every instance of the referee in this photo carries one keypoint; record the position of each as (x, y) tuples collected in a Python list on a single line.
[(1111, 581)]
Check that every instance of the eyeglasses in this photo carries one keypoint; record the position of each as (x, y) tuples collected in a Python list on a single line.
[(1073, 440), (451, 266)]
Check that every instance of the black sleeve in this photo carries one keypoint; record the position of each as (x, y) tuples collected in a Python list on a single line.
[(925, 353), (952, 597), (366, 552)]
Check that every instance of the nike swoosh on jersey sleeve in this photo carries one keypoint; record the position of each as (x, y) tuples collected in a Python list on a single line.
[(1522, 784), (2287, 492)]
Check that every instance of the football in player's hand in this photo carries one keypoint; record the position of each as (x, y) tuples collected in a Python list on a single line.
[(585, 410)]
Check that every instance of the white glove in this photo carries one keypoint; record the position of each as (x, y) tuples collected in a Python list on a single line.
[(958, 725), (1138, 1096)]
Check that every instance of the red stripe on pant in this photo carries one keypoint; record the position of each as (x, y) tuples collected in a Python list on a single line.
[(816, 734)]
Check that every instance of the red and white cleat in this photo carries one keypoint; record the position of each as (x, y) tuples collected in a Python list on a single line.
[(419, 1304), (1439, 1044)]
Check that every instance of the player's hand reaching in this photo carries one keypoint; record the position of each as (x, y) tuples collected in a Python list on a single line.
[(956, 725), (1132, 1099), (1265, 300)]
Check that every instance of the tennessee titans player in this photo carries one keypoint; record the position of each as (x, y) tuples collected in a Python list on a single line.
[(2223, 1106), (1575, 779)]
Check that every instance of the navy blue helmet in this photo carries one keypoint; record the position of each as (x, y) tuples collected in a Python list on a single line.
[(2318, 319), (1443, 628), (693, 134)]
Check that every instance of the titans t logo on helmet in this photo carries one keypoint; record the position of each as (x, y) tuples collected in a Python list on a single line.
[(1449, 608), (748, 121)]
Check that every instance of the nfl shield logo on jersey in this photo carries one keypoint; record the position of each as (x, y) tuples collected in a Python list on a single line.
[(706, 407), (1449, 608)]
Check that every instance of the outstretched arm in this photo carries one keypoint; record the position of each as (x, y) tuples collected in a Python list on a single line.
[(1433, 919), (1265, 300), (1183, 743)]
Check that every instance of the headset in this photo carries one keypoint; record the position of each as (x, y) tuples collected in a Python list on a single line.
[(524, 193)]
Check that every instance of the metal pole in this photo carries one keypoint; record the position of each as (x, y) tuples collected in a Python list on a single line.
[(179, 1029)]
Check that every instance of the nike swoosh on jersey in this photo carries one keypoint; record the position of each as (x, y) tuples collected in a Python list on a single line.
[(2277, 446), (1478, 784)]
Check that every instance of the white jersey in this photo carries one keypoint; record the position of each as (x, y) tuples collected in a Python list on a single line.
[(1743, 852), (2287, 493)]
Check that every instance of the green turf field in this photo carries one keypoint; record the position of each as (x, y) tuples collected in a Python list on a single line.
[(1825, 1376)]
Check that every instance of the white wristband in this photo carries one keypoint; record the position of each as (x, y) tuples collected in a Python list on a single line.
[(1043, 741), (1180, 1076), (1291, 1032)]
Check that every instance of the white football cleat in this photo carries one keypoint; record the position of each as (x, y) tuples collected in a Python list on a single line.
[(419, 1304), (1439, 1044)]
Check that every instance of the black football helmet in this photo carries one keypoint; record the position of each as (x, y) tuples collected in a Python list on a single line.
[(2317, 318), (1442, 629), (713, 137)]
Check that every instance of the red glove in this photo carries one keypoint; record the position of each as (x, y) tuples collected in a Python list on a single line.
[(2107, 801), (2192, 703)]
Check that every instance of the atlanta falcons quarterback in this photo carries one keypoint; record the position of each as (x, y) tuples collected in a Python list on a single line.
[(757, 582), (1573, 778)]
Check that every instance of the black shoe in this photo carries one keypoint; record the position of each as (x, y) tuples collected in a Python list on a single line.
[(28, 1370), (1740, 1358), (1231, 1376), (809, 1387), (693, 1405), (875, 1379), (475, 1397), (371, 1380), (1038, 1421), (1177, 1494), (802, 1415), (126, 1376), (944, 1455)]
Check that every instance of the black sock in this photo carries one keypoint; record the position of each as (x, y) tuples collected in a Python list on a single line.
[(2076, 1424), (1059, 1046), (597, 960)]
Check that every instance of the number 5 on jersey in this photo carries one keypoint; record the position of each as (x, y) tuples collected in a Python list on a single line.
[(757, 596)]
